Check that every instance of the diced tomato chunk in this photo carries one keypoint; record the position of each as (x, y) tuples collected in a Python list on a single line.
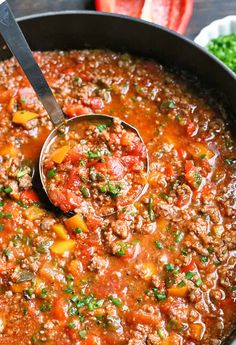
[(138, 150), (189, 267), (65, 199), (93, 222), (29, 195), (60, 309), (132, 163), (96, 103), (113, 167), (169, 170), (72, 110), (127, 138), (74, 155)]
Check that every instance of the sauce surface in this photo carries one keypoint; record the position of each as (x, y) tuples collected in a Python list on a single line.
[(160, 271)]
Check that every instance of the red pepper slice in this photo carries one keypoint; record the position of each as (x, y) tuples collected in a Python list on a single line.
[(173, 14)]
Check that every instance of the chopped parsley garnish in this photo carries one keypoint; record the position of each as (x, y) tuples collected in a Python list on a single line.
[(116, 301), (71, 325), (123, 247), (159, 245), (202, 156), (101, 127), (113, 190), (94, 154), (197, 180), (7, 190), (51, 173), (85, 192), (229, 161), (179, 235), (43, 293), (82, 334), (168, 104), (78, 230), (181, 284), (210, 250), (164, 196), (203, 258), (1, 227), (169, 267), (160, 296), (184, 251), (198, 282), (45, 307), (150, 210), (189, 275)]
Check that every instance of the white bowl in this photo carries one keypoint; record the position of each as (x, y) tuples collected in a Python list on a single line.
[(220, 27)]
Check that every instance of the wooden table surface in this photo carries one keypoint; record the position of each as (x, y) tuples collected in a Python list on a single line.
[(205, 11)]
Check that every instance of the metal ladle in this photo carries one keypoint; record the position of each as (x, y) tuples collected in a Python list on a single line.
[(16, 42)]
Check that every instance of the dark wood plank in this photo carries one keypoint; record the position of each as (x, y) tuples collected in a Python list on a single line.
[(205, 11)]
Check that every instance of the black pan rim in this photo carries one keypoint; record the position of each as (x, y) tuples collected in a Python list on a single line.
[(178, 36)]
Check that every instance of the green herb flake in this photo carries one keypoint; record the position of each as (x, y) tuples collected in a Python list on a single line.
[(184, 251), (168, 104), (69, 290), (43, 293), (116, 301), (51, 173), (21, 204), (169, 267), (164, 196), (202, 156), (123, 247), (160, 296), (82, 334), (85, 192), (1, 227), (181, 284), (203, 258), (78, 230), (71, 325), (179, 235), (45, 307), (229, 161), (198, 282), (158, 244), (113, 190), (7, 190), (94, 154), (101, 127), (189, 275), (211, 250), (82, 163), (150, 210), (161, 332)]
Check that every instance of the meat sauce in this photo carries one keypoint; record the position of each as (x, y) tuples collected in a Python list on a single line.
[(95, 167), (159, 271)]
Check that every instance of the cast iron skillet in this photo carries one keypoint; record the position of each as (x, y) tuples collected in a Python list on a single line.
[(87, 29)]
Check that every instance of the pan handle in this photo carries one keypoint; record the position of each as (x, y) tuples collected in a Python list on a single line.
[(16, 42)]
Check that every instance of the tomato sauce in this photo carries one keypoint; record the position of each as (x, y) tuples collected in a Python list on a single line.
[(161, 270)]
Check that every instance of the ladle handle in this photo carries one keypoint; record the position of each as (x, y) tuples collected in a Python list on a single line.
[(16, 42)]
